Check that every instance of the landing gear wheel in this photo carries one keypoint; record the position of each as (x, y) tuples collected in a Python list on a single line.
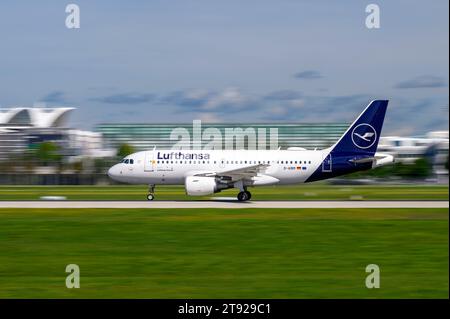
[(151, 192), (243, 196), (249, 195)]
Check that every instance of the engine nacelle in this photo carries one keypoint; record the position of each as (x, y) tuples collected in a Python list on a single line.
[(200, 185)]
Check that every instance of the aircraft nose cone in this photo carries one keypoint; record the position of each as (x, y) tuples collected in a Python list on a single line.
[(114, 172), (110, 172)]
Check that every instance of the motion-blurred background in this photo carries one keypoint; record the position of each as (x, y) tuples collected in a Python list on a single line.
[(39, 146), (74, 101)]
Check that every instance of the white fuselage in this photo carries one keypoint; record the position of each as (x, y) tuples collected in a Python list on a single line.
[(206, 172), (171, 167)]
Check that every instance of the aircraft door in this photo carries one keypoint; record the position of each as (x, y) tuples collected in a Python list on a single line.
[(327, 163), (149, 162)]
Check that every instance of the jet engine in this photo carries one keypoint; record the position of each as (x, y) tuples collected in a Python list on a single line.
[(201, 186)]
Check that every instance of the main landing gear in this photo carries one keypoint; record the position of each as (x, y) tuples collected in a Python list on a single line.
[(151, 192), (244, 196)]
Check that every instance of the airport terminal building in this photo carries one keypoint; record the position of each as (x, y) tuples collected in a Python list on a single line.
[(22, 128), (199, 135)]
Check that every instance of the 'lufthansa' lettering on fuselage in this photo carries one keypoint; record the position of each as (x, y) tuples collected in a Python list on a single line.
[(183, 156)]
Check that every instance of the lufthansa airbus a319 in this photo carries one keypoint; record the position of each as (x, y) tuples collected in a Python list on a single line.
[(206, 172)]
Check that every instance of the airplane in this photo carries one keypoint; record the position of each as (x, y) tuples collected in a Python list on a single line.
[(205, 172)]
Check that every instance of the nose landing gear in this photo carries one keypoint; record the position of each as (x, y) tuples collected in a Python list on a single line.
[(151, 192)]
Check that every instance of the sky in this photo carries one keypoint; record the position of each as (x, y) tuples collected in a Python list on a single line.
[(228, 61)]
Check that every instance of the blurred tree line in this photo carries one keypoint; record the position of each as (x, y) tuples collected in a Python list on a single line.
[(50, 155), (419, 169)]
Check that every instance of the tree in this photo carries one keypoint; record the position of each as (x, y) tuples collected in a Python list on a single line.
[(48, 153), (421, 168), (101, 165), (124, 150), (78, 167)]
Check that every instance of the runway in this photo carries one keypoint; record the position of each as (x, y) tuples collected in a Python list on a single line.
[(234, 204)]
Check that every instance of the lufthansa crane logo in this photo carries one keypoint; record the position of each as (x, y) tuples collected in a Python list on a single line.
[(364, 135)]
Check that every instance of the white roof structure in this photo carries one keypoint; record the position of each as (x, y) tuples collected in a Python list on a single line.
[(35, 116)]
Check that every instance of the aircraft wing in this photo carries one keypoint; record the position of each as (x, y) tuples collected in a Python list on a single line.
[(239, 173)]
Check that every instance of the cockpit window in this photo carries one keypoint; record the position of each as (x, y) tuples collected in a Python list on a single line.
[(127, 161)]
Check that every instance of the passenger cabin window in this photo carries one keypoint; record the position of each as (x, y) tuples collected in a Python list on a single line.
[(131, 161)]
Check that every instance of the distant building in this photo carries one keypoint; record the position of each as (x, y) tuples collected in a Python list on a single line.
[(22, 117), (268, 135), (21, 128), (86, 144), (434, 146)]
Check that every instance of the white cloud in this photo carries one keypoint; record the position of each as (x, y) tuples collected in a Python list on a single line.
[(209, 117), (297, 103), (230, 97)]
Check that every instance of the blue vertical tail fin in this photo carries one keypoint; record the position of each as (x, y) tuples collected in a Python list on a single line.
[(363, 135)]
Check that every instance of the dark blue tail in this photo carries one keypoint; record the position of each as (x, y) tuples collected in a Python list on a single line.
[(363, 135), (356, 148)]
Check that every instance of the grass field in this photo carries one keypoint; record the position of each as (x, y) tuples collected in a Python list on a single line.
[(248, 253), (314, 191)]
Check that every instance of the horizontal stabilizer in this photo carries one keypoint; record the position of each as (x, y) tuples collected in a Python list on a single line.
[(363, 160), (379, 159)]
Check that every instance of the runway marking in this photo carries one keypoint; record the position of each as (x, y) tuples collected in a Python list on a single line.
[(224, 204)]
